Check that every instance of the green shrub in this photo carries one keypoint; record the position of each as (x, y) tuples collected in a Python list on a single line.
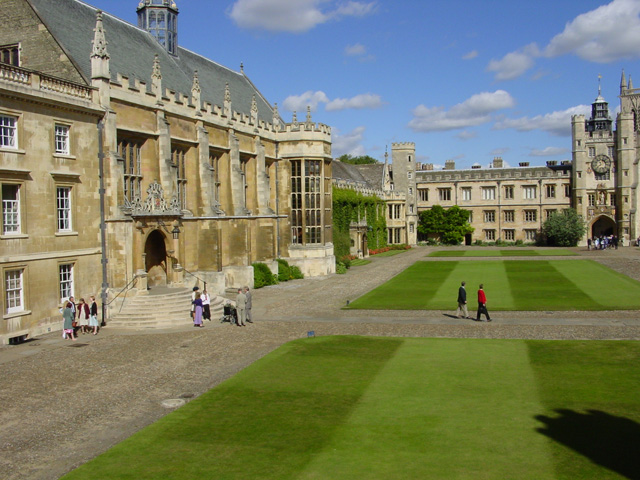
[(296, 273), (284, 270), (341, 268), (262, 276)]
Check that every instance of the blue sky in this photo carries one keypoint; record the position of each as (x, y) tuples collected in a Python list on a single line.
[(464, 79)]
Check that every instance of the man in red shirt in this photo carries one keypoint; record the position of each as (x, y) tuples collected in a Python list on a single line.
[(482, 305)]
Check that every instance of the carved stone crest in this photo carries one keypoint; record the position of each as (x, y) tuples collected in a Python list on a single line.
[(154, 204)]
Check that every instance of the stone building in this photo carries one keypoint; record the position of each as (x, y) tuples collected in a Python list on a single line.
[(606, 174), (127, 161), (505, 203), (378, 180)]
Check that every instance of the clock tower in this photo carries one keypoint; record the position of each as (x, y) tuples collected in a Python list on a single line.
[(595, 171)]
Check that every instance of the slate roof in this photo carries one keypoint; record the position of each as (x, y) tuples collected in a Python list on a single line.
[(132, 52), (373, 173), (369, 175)]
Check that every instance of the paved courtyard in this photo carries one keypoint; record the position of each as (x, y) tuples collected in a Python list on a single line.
[(64, 403)]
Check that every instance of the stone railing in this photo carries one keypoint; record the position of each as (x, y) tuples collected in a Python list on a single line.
[(14, 74), (43, 82), (62, 86)]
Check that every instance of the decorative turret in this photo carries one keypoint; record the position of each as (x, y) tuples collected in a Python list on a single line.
[(160, 19), (600, 119), (623, 82)]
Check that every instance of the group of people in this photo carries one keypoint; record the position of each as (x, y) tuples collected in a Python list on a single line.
[(603, 242), (482, 304), (79, 318), (201, 310)]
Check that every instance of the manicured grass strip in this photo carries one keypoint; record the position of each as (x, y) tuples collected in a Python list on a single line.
[(540, 286), (359, 262), (509, 285), (502, 253), (591, 394), (610, 289), (266, 422), (341, 408), (412, 289), (453, 409)]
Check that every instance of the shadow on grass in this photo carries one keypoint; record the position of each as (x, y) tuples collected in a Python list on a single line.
[(607, 440)]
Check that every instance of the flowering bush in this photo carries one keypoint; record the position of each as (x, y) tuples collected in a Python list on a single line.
[(375, 251)]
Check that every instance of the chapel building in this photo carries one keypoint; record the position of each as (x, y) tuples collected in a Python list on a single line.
[(128, 162), (605, 167)]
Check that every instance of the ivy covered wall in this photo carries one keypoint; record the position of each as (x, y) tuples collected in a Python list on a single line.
[(351, 206)]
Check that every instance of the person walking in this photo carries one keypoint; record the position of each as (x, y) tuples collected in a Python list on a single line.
[(193, 299), (206, 305), (197, 311), (462, 302), (247, 294), (68, 317), (482, 305), (241, 308), (93, 315)]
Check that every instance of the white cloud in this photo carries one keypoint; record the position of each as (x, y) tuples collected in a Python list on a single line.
[(556, 123), (355, 50), (514, 64), (476, 110), (471, 55), (498, 152), (293, 16), (467, 135), (313, 99), (359, 102), (349, 143), (548, 152), (608, 33)]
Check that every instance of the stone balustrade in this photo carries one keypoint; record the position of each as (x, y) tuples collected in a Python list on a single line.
[(43, 82)]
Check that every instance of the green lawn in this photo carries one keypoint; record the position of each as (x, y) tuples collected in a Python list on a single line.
[(358, 262), (388, 408), (508, 284), (551, 252)]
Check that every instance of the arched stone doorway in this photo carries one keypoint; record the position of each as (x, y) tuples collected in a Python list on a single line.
[(156, 259), (603, 226)]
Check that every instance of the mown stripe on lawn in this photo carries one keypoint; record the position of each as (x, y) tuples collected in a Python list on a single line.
[(556, 292), (612, 289), (443, 409), (591, 394), (490, 273), (412, 289), (267, 422)]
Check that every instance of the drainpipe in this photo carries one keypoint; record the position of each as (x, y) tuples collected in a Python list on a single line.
[(277, 208), (103, 227)]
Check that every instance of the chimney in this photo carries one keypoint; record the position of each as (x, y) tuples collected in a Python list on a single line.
[(524, 164), (450, 165), (497, 162)]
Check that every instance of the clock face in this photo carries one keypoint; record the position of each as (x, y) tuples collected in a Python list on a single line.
[(601, 164)]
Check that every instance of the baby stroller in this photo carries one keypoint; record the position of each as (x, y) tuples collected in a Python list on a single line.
[(229, 314)]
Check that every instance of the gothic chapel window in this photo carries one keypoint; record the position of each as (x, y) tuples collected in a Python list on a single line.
[(129, 153), (178, 161)]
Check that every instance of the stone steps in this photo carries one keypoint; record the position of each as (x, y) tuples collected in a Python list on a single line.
[(164, 308)]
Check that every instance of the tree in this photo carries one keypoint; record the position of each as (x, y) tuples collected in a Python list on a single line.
[(564, 229), (452, 224), (360, 160)]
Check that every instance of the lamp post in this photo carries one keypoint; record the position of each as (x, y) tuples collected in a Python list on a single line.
[(176, 267)]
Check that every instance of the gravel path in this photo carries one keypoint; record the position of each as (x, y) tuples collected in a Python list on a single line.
[(64, 403)]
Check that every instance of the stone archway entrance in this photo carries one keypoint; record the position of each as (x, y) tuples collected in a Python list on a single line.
[(155, 252), (603, 226)]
